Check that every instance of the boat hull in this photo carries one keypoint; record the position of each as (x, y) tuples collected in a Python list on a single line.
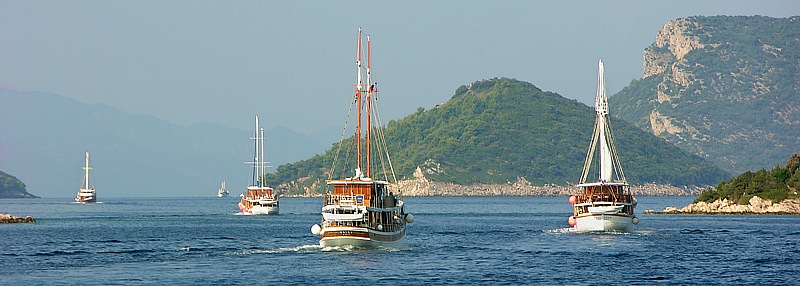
[(85, 200), (260, 210), (604, 222), (86, 196), (360, 237)]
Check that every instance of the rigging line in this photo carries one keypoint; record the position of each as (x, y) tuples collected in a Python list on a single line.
[(614, 150), (388, 157), (381, 143), (590, 154), (341, 139)]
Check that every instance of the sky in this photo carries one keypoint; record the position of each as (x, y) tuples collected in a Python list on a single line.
[(293, 62)]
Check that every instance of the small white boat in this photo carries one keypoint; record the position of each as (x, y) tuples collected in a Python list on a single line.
[(86, 193), (259, 198), (222, 192), (607, 204), (361, 211)]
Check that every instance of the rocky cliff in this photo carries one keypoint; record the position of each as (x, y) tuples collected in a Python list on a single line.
[(725, 88)]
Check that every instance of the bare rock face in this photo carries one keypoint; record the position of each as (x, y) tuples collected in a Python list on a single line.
[(722, 87), (756, 205)]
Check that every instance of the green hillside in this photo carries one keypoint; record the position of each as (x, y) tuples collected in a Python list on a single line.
[(775, 185), (11, 187), (725, 88), (494, 131)]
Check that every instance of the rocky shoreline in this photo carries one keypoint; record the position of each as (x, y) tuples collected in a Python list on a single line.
[(419, 186), (755, 206), (7, 218)]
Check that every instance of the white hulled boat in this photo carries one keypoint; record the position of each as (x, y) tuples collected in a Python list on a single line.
[(222, 192), (259, 198), (360, 210), (606, 204), (86, 193)]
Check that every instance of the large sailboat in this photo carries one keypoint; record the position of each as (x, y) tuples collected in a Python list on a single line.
[(361, 210), (259, 198), (86, 193), (607, 203)]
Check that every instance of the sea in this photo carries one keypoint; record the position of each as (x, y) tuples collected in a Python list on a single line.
[(453, 240)]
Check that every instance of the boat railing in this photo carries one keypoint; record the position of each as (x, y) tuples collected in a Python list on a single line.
[(341, 200), (604, 197)]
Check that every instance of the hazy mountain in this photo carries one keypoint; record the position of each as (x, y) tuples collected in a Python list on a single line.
[(43, 138), (494, 131), (725, 88)]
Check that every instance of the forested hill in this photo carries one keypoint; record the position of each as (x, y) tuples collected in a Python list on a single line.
[(778, 184), (494, 131), (11, 187), (725, 88)]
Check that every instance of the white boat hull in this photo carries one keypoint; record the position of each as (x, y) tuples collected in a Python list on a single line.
[(604, 222), (260, 210), (359, 237)]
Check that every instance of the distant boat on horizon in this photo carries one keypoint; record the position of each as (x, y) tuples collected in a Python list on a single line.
[(86, 193), (606, 204), (222, 192), (259, 198), (361, 210)]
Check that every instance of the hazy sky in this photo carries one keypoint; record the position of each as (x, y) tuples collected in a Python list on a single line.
[(293, 62)]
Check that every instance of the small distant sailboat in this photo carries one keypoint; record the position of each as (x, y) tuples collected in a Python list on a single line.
[(607, 204), (259, 199), (222, 192), (86, 193), (360, 210)]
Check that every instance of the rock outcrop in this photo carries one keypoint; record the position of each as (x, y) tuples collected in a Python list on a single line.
[(7, 218), (756, 205)]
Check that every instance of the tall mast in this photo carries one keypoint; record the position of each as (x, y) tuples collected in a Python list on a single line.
[(369, 104), (87, 168), (262, 163), (358, 98), (256, 157), (601, 107)]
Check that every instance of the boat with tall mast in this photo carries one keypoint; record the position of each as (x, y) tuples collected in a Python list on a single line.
[(606, 204), (259, 198), (222, 192), (86, 193), (361, 210)]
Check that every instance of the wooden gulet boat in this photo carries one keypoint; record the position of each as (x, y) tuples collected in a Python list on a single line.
[(86, 193), (606, 204), (259, 198), (362, 211)]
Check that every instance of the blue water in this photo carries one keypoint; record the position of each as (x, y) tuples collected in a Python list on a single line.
[(453, 241)]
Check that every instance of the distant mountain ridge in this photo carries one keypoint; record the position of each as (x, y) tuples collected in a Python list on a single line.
[(725, 88), (497, 131), (43, 138)]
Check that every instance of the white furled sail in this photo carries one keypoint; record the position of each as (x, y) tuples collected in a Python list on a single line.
[(601, 107), (609, 168)]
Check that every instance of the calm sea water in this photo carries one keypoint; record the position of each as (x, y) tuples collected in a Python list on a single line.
[(195, 241)]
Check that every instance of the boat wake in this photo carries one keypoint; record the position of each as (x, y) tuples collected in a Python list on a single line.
[(560, 230), (316, 248)]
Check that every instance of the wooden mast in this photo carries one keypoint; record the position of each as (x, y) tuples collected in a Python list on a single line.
[(358, 98), (369, 104)]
